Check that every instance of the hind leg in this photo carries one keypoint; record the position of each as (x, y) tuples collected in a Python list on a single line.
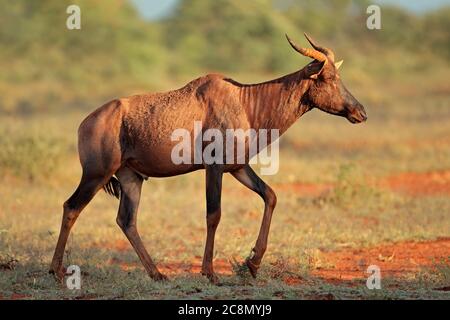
[(131, 185), (72, 208)]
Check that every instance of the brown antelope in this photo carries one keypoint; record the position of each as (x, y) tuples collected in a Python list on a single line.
[(127, 140)]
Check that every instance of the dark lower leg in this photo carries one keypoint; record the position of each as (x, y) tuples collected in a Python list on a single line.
[(249, 178), (72, 209), (131, 185), (261, 243), (212, 221), (69, 218), (214, 175), (135, 240)]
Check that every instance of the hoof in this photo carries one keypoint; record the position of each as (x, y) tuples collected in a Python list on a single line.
[(58, 274), (253, 268), (212, 277), (159, 277)]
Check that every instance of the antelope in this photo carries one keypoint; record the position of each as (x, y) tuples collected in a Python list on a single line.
[(127, 140)]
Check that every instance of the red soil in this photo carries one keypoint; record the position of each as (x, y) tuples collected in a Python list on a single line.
[(15, 296), (410, 183), (395, 260), (221, 266), (416, 184)]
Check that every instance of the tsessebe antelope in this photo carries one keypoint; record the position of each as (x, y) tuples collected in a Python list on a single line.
[(129, 139)]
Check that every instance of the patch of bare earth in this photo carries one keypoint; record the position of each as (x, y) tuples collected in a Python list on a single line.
[(14, 296), (395, 260), (221, 266), (409, 183), (416, 184)]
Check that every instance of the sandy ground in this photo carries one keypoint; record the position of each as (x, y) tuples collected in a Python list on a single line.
[(343, 266)]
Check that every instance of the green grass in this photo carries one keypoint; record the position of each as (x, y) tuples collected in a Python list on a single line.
[(40, 169)]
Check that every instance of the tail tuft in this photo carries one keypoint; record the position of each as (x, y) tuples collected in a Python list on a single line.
[(113, 187)]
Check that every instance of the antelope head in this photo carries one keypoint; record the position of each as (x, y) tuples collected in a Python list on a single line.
[(327, 92)]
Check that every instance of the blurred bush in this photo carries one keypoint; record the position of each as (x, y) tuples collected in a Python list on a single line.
[(47, 67), (30, 153)]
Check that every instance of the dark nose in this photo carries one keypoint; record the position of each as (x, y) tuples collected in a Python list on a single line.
[(360, 113), (357, 115), (363, 115)]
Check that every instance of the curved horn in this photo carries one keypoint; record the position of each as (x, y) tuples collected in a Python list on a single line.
[(324, 50), (314, 54)]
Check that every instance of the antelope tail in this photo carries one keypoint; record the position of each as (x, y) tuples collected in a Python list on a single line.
[(113, 188)]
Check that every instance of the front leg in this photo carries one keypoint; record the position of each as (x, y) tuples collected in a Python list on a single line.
[(249, 178), (214, 175)]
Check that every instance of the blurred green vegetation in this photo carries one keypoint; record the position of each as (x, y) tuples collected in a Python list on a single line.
[(46, 67)]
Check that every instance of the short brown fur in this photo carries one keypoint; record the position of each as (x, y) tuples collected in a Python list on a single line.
[(130, 138)]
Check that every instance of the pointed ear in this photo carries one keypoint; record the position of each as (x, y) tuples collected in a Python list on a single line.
[(314, 69), (338, 64)]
